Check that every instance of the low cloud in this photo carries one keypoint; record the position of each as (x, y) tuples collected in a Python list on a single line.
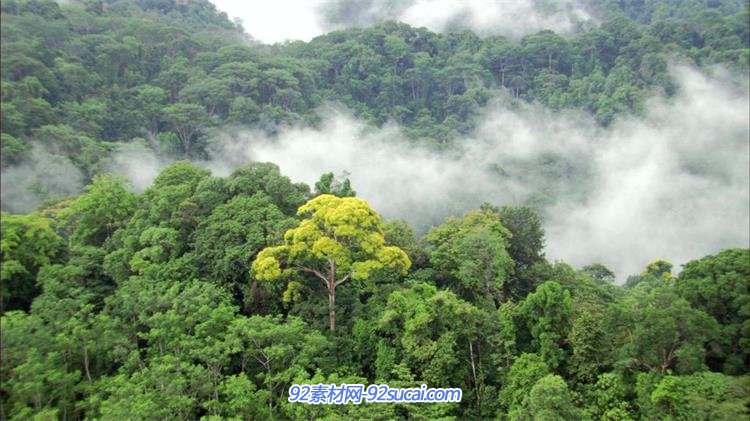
[(44, 176), (675, 185), (282, 20), (514, 19), (138, 163), (671, 185)]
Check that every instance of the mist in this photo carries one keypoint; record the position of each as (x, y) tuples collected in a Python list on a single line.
[(514, 19), (271, 22), (45, 176), (671, 185)]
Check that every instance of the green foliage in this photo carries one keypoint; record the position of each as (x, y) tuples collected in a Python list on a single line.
[(524, 247), (267, 178), (100, 211), (430, 345), (527, 236), (470, 256), (398, 233), (523, 375), (329, 184), (116, 70), (599, 273), (547, 314), (28, 243), (142, 306), (135, 306), (667, 333), (227, 240), (341, 238), (549, 399), (187, 120), (659, 269), (590, 344), (276, 352), (12, 150), (608, 398), (702, 395), (720, 286)]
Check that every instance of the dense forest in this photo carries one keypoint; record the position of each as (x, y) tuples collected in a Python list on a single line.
[(206, 296), (88, 75)]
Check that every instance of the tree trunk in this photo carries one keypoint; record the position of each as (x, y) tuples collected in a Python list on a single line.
[(474, 374), (331, 283), (332, 306), (86, 363), (270, 392)]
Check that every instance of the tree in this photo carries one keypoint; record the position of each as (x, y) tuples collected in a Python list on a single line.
[(546, 49), (102, 209), (340, 238), (418, 324), (275, 351), (12, 150), (549, 399), (659, 269), (607, 399), (243, 110), (151, 99), (599, 273), (470, 256), (401, 234), (525, 246), (523, 374), (547, 313), (187, 120), (232, 235), (329, 184), (667, 333), (719, 286), (28, 243), (34, 377), (527, 235), (703, 395), (590, 349), (266, 177)]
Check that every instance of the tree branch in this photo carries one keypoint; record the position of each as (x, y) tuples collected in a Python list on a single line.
[(315, 272), (342, 280)]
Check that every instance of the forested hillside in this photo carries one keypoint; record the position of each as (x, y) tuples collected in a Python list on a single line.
[(87, 75), (207, 296), (149, 307)]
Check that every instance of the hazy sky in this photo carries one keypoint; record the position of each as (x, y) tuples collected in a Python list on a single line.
[(272, 21)]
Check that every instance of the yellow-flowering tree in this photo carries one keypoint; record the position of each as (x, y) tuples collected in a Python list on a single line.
[(340, 239)]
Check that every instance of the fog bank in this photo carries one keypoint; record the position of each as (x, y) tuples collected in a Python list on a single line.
[(485, 17), (44, 176), (673, 185), (272, 22)]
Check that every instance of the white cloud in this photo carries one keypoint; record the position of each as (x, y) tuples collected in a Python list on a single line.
[(673, 185), (511, 18), (272, 21), (46, 174)]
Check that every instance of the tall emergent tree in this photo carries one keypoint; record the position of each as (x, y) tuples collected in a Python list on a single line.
[(340, 239)]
